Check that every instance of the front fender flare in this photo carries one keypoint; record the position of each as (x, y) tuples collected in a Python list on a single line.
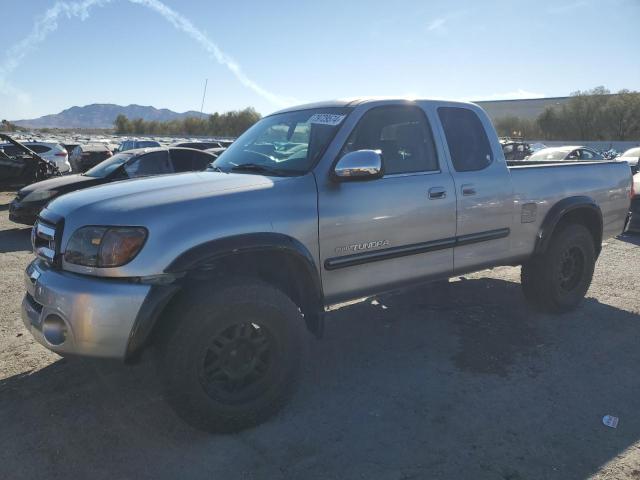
[(202, 258)]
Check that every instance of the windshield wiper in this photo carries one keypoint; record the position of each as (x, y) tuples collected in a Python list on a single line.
[(256, 167), (215, 169)]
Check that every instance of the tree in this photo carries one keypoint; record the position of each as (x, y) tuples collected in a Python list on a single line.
[(623, 115), (588, 115), (229, 124), (122, 124), (585, 111), (7, 126)]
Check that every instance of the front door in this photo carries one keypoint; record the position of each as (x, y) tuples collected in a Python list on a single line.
[(377, 234)]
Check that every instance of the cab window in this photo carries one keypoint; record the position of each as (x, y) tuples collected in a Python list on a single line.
[(154, 163), (401, 134), (468, 143)]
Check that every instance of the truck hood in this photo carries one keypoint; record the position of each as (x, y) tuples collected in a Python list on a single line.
[(119, 199), (186, 210)]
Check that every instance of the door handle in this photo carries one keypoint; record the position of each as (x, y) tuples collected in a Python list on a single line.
[(436, 193), (468, 189)]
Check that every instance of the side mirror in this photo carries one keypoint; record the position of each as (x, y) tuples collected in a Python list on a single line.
[(359, 165)]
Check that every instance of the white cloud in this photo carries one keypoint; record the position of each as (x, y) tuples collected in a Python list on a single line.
[(437, 24), (440, 25), (48, 23)]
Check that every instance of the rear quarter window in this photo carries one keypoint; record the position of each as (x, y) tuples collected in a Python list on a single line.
[(467, 140)]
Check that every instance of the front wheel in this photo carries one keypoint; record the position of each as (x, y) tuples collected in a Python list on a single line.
[(558, 280), (230, 359)]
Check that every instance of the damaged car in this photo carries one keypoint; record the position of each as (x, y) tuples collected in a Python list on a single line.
[(20, 165), (123, 166)]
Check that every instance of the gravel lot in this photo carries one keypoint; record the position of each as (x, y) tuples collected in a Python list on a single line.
[(465, 383)]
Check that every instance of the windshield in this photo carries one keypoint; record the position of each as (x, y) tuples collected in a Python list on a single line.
[(103, 169), (549, 155), (283, 144)]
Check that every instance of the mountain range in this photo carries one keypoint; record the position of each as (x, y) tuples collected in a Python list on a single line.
[(101, 115)]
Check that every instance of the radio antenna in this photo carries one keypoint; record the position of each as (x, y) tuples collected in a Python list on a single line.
[(204, 94)]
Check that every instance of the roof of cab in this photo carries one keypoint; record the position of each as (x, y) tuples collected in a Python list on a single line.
[(354, 102)]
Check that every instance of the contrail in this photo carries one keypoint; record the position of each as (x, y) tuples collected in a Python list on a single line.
[(44, 26), (48, 24)]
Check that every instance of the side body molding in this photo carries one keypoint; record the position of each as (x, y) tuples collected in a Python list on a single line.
[(560, 210)]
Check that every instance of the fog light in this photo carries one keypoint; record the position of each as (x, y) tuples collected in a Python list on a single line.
[(54, 330)]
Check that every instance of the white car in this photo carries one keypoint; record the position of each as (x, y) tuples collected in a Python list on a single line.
[(52, 152), (632, 157), (569, 152)]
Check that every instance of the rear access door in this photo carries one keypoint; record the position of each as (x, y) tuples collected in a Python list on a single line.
[(483, 186)]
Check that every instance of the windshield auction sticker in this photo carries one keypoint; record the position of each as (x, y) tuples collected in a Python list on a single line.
[(326, 119)]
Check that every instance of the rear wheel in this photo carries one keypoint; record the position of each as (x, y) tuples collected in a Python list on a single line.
[(558, 280), (230, 360)]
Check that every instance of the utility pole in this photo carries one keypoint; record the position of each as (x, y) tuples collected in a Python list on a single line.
[(204, 94)]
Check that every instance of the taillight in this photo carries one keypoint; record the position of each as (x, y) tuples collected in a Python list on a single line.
[(61, 154)]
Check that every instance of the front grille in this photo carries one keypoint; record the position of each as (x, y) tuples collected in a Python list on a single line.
[(44, 240)]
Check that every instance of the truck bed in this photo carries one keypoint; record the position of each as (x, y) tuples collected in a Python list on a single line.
[(546, 183)]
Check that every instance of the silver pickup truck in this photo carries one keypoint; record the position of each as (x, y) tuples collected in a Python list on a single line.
[(224, 271)]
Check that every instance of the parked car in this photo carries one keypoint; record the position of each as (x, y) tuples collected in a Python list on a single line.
[(569, 152), (125, 165), (88, 155), (198, 145), (311, 207), (134, 144), (515, 149), (632, 157), (53, 152), (21, 166)]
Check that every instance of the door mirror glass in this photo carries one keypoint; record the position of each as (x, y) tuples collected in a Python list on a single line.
[(359, 165)]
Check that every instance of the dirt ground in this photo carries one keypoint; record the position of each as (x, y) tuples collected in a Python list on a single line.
[(466, 383)]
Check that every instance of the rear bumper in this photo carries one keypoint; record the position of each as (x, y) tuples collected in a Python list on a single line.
[(76, 314), (63, 165), (24, 214)]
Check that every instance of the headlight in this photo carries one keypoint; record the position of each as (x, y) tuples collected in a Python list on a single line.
[(39, 195), (104, 246)]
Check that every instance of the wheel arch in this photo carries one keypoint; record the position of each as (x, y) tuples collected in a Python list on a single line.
[(275, 258), (578, 209)]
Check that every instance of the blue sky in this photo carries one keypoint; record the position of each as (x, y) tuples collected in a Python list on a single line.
[(269, 54)]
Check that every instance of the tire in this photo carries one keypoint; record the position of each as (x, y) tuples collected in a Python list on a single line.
[(230, 360), (558, 280)]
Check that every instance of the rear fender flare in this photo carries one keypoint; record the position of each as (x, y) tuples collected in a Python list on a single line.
[(559, 211)]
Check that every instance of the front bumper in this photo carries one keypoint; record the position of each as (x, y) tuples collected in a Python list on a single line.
[(24, 214), (98, 314)]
